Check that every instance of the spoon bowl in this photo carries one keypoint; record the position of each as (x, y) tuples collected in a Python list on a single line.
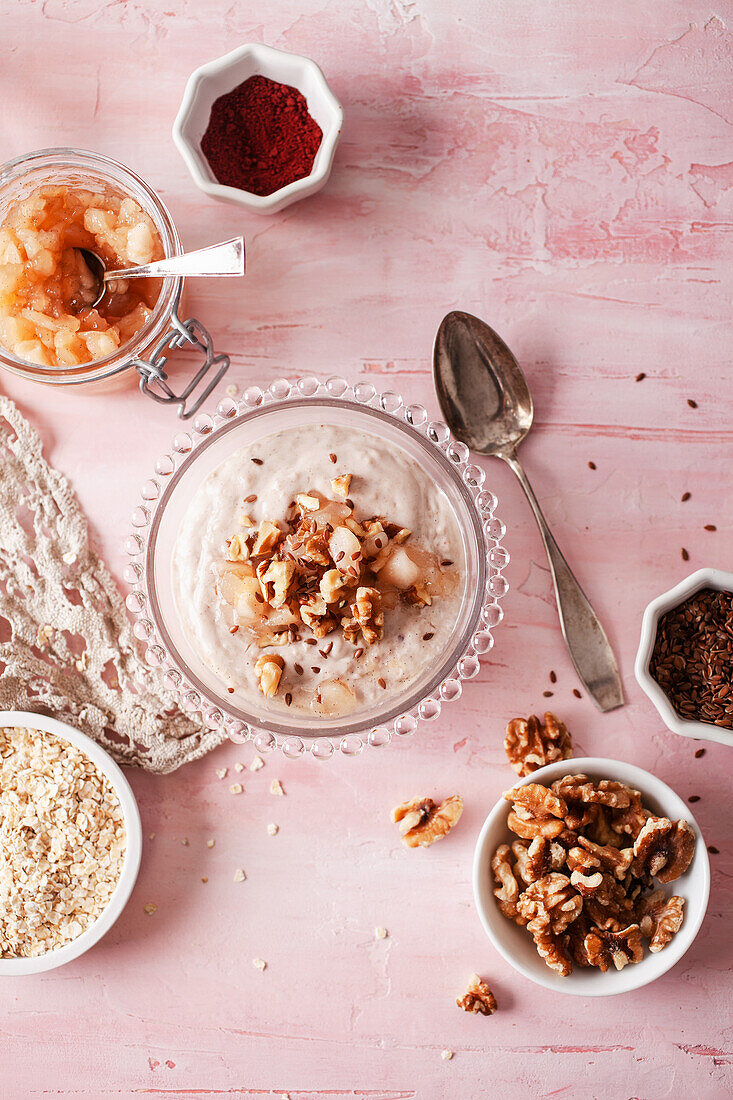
[(488, 396)]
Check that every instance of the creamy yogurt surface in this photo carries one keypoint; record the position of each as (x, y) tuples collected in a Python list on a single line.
[(259, 483)]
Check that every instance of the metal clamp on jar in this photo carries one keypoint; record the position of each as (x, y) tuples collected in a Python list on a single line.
[(96, 200)]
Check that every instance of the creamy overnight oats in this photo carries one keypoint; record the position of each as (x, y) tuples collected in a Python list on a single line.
[(319, 569), (47, 293)]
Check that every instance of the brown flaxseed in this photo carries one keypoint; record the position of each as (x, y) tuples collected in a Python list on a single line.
[(691, 403), (553, 676), (577, 694), (685, 496), (640, 376), (258, 461), (592, 466), (685, 554), (692, 659)]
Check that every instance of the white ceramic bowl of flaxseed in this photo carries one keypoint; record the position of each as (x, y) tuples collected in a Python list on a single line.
[(70, 843), (719, 581)]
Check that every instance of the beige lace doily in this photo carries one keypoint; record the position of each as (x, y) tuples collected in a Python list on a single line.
[(66, 642)]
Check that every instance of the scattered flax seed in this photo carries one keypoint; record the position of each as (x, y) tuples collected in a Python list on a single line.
[(710, 527), (426, 637), (685, 554), (298, 669), (210, 843), (259, 964), (222, 772), (694, 798), (333, 458), (640, 376), (276, 787), (231, 691), (236, 788), (150, 908), (691, 403), (257, 461), (239, 875), (288, 698), (577, 694), (256, 764), (446, 1055), (382, 682), (272, 829), (233, 629), (315, 668), (251, 498), (204, 879), (548, 694), (713, 850), (592, 466), (685, 496), (238, 767), (699, 753), (311, 641), (553, 676), (380, 933)]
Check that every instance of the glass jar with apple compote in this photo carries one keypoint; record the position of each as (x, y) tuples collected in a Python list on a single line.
[(55, 203)]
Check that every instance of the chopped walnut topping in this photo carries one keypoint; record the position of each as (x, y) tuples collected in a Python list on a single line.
[(268, 536), (422, 821), (478, 998), (368, 613), (237, 549), (341, 484), (269, 670)]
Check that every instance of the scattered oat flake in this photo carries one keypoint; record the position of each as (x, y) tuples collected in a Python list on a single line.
[(380, 933), (276, 787), (256, 764), (69, 557), (210, 843), (152, 836), (239, 875), (260, 964), (185, 842), (232, 390), (446, 1055), (273, 830), (238, 767), (150, 908), (236, 788), (221, 772)]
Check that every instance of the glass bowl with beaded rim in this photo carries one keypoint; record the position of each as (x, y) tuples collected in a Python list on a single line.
[(259, 413)]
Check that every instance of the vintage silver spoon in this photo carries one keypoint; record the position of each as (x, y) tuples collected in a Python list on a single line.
[(225, 259), (487, 404)]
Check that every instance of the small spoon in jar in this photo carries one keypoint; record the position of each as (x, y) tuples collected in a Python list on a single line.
[(225, 259), (487, 404)]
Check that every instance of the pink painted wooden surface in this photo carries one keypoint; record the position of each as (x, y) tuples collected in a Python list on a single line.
[(560, 169)]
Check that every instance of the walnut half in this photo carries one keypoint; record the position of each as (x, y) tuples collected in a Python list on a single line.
[(423, 821), (478, 998)]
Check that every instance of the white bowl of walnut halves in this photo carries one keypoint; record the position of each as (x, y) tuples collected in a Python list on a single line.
[(590, 875)]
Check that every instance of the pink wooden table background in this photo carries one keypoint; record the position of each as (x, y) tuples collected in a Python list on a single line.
[(561, 170)]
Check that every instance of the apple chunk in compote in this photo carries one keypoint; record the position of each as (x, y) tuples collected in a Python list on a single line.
[(47, 293)]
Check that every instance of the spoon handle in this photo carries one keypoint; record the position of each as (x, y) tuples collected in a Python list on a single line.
[(589, 648), (226, 258)]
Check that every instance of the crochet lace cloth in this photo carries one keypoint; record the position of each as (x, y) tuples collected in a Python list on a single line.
[(66, 642)]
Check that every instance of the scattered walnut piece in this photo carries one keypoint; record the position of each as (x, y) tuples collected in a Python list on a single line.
[(530, 744), (269, 669), (423, 821), (478, 998)]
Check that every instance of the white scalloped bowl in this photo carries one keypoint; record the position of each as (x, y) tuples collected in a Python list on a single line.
[(515, 943), (684, 727), (207, 83), (133, 849), (156, 522)]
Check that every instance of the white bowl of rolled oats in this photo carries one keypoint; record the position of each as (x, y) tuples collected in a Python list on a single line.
[(591, 877), (70, 843)]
